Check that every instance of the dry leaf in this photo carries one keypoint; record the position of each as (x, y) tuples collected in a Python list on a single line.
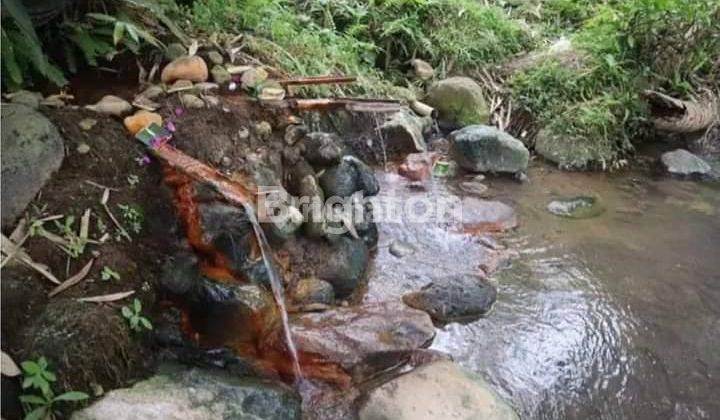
[(77, 278), (8, 366), (107, 298), (192, 50)]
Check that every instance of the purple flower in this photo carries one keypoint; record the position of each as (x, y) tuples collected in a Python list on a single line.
[(179, 111), (143, 160), (170, 126)]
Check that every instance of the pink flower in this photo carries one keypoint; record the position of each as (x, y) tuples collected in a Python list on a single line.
[(170, 126)]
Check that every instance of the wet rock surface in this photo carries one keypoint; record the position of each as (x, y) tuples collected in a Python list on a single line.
[(345, 266), (32, 150), (456, 298), (480, 216), (348, 335), (581, 207), (682, 163), (459, 101), (403, 132), (481, 148), (312, 291), (439, 390), (418, 166), (181, 393)]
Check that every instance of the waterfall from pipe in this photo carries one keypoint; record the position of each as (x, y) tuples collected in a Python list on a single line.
[(277, 289)]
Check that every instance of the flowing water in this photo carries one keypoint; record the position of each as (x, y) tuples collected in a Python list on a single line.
[(615, 316)]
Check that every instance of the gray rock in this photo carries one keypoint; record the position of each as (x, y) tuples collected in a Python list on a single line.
[(263, 129), (323, 149), (174, 50), (567, 152), (403, 132), (253, 78), (683, 163), (349, 176), (180, 273), (229, 231), (32, 150), (27, 98), (192, 101), (401, 249), (459, 101), (312, 290), (481, 148), (191, 393), (349, 335), (439, 390), (582, 207), (456, 298), (215, 57), (346, 265), (220, 75), (422, 69), (482, 216)]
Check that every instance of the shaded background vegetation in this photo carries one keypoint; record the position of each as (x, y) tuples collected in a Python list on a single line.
[(619, 48)]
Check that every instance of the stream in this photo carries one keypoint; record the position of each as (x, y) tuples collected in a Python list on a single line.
[(614, 316)]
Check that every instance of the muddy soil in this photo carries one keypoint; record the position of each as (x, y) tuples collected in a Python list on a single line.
[(88, 345)]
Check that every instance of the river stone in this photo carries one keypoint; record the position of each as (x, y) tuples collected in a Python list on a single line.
[(403, 132), (312, 290), (192, 68), (459, 101), (683, 163), (481, 148), (350, 176), (348, 335), (439, 390), (456, 298), (567, 152), (581, 207), (220, 75), (27, 98), (228, 229), (422, 69), (32, 150), (481, 216), (215, 57), (174, 50), (178, 392), (323, 149), (346, 265), (180, 272), (401, 249)]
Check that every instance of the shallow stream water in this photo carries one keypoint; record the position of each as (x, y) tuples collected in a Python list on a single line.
[(615, 316)]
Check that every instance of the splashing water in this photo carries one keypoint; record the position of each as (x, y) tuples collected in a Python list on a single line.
[(277, 289)]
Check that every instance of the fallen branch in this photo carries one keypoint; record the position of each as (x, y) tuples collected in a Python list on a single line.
[(316, 80), (77, 278), (678, 116), (104, 201)]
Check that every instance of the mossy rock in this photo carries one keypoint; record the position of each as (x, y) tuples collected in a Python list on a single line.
[(568, 152), (459, 101)]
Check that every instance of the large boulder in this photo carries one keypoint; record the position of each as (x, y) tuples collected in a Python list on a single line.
[(439, 390), (32, 150), (565, 151), (348, 335), (682, 163), (459, 101), (481, 148), (403, 132), (192, 393), (456, 298)]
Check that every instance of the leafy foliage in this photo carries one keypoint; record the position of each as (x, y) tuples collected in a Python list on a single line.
[(37, 377), (134, 317)]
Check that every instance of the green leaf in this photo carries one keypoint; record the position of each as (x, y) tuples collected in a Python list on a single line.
[(102, 17), (37, 414), (127, 312), (133, 33), (9, 61), (137, 305), (49, 376), (72, 396), (134, 322), (30, 367), (118, 32), (27, 383), (146, 323), (17, 10), (33, 399)]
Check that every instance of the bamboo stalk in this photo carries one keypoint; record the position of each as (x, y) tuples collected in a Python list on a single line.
[(316, 80)]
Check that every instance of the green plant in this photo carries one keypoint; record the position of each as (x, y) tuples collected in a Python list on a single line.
[(134, 317), (108, 273), (133, 216), (74, 243), (38, 377)]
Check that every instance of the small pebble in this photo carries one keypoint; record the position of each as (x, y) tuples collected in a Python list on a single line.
[(225, 161), (83, 148), (243, 133), (87, 123), (401, 249), (263, 129)]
